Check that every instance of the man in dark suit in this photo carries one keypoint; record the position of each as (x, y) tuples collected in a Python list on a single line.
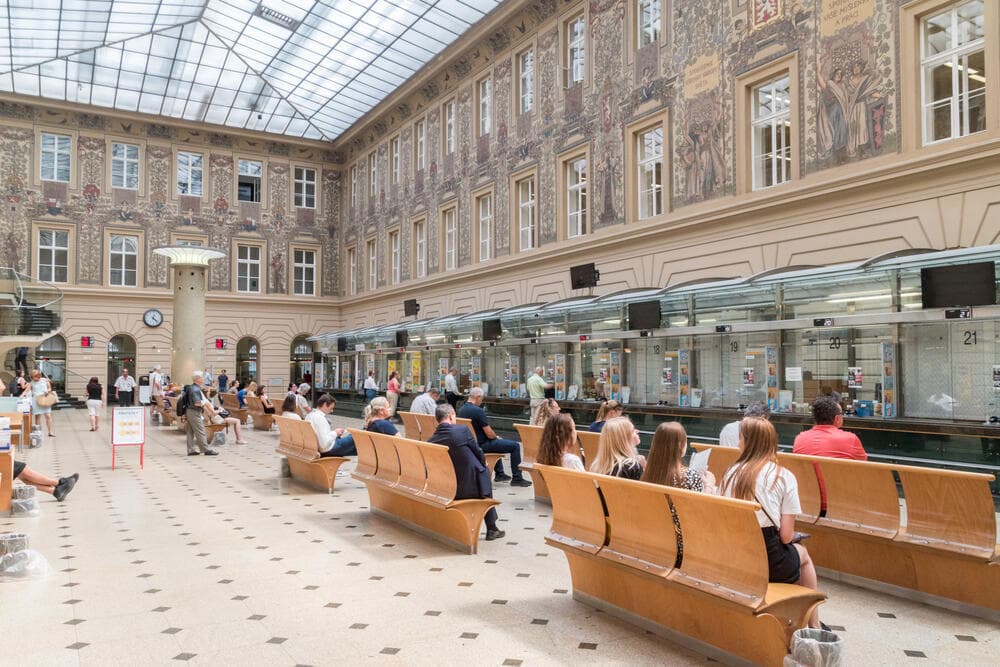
[(471, 474)]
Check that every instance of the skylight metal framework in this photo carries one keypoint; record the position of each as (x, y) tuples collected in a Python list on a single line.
[(228, 62)]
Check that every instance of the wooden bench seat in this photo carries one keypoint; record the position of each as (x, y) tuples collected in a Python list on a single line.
[(531, 438), (297, 441), (232, 403), (413, 482), (411, 425), (262, 421), (165, 410), (588, 446), (931, 537), (716, 601), (20, 425)]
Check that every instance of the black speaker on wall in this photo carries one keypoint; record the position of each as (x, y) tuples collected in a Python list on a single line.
[(492, 329), (644, 315), (584, 276), (402, 338), (341, 345), (411, 308)]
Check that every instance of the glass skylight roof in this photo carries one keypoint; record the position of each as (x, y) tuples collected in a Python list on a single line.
[(304, 68)]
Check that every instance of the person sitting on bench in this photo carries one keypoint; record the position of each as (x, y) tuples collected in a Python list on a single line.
[(489, 442), (216, 417), (472, 477), (332, 442), (57, 487), (377, 417), (559, 446)]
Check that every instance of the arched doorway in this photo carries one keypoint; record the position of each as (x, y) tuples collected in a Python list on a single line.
[(50, 358), (121, 354), (247, 356), (301, 361)]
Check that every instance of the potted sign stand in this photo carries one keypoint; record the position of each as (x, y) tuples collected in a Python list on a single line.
[(128, 429)]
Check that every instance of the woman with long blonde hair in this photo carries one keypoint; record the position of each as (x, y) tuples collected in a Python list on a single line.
[(377, 414), (546, 409), (616, 450), (558, 446), (756, 476)]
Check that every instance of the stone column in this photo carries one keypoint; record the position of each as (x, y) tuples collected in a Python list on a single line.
[(189, 269)]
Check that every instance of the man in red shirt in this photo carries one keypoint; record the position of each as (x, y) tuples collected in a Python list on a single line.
[(827, 438)]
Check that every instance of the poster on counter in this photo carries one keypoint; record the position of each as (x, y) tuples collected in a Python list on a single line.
[(559, 377), (442, 372), (475, 370), (771, 379), (748, 376), (512, 375), (669, 359), (684, 378), (996, 378), (345, 375), (889, 380), (616, 376), (854, 377), (414, 368), (319, 376)]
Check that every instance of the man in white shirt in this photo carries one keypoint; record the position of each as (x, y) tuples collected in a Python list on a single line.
[(536, 390), (730, 435), (332, 442), (156, 381), (451, 392), (371, 387), (125, 386), (426, 403)]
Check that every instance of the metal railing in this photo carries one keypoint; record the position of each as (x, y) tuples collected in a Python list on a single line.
[(29, 308)]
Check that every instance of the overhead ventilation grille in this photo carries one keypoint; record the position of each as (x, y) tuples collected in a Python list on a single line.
[(276, 17)]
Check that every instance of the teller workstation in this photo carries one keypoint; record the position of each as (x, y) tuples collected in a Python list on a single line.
[(907, 341)]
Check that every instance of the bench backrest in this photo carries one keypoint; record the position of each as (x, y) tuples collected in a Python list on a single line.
[(254, 404), (229, 401), (441, 482), (412, 471), (646, 538), (411, 425), (577, 509), (388, 459), (421, 468), (468, 423), (805, 472), (720, 460), (860, 496), (367, 462), (589, 443), (531, 440), (428, 424), (288, 436), (310, 441)]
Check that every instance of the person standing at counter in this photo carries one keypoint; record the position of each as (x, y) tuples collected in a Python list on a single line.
[(536, 390), (451, 392), (730, 434), (392, 393), (608, 410), (371, 387)]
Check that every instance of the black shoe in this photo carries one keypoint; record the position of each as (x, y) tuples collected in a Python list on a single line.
[(824, 626), (63, 488), (520, 481), (494, 534), (501, 477), (75, 476), (194, 453), (211, 452)]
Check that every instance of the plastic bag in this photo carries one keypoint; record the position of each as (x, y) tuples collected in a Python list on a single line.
[(219, 439), (27, 564), (812, 647), (24, 507), (286, 471)]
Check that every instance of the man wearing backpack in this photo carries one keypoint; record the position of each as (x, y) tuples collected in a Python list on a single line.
[(189, 406)]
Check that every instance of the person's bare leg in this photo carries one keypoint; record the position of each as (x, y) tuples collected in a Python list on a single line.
[(807, 578), (236, 427), (48, 422), (41, 482)]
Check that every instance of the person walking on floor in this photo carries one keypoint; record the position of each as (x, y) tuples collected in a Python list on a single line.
[(125, 388)]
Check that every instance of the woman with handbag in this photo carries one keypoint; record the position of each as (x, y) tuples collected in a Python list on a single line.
[(42, 398)]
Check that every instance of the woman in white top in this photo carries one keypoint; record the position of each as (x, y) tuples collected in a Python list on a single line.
[(757, 476), (289, 408), (558, 446), (40, 386)]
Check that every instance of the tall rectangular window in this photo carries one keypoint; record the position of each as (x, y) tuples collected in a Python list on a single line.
[(953, 68), (420, 248), (125, 166), (354, 186), (304, 272), (247, 268), (55, 157), (305, 187), (189, 174), (576, 197), (394, 160), (352, 271), (372, 264), (249, 180), (449, 233), (771, 132), (576, 50), (372, 177), (649, 153), (526, 81), (648, 24), (395, 257), (53, 255), (448, 129), (419, 152), (123, 261), (526, 213), (485, 95), (484, 205)]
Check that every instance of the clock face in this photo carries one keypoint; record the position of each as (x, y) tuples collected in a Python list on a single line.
[(152, 317)]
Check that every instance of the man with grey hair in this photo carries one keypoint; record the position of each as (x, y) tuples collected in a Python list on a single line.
[(156, 381), (194, 418), (426, 403), (536, 390), (489, 442), (730, 435)]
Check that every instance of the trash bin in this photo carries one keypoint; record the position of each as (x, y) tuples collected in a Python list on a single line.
[(812, 647)]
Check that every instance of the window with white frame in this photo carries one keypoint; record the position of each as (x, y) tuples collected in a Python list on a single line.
[(526, 81), (372, 264), (484, 205), (395, 258), (394, 160), (526, 213), (248, 180), (420, 248), (125, 166), (354, 186), (485, 95), (53, 255), (648, 22), (576, 50), (352, 271), (419, 152), (55, 157), (448, 132), (953, 67), (123, 261), (649, 154), (771, 132), (305, 187), (372, 176), (449, 230), (304, 272), (189, 174), (576, 197), (247, 268), (193, 243)]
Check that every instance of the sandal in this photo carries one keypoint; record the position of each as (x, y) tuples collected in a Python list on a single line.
[(52, 435)]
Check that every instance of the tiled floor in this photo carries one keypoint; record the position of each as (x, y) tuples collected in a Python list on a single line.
[(218, 561)]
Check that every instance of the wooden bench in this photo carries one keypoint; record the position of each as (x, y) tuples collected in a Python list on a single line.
[(262, 421), (720, 460), (165, 410), (413, 482), (427, 424), (936, 543), (718, 601), (6, 479), (297, 441), (232, 403), (589, 444), (411, 425), (531, 438)]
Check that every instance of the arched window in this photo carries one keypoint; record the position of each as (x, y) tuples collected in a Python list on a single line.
[(121, 354), (301, 360), (247, 360), (50, 358)]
